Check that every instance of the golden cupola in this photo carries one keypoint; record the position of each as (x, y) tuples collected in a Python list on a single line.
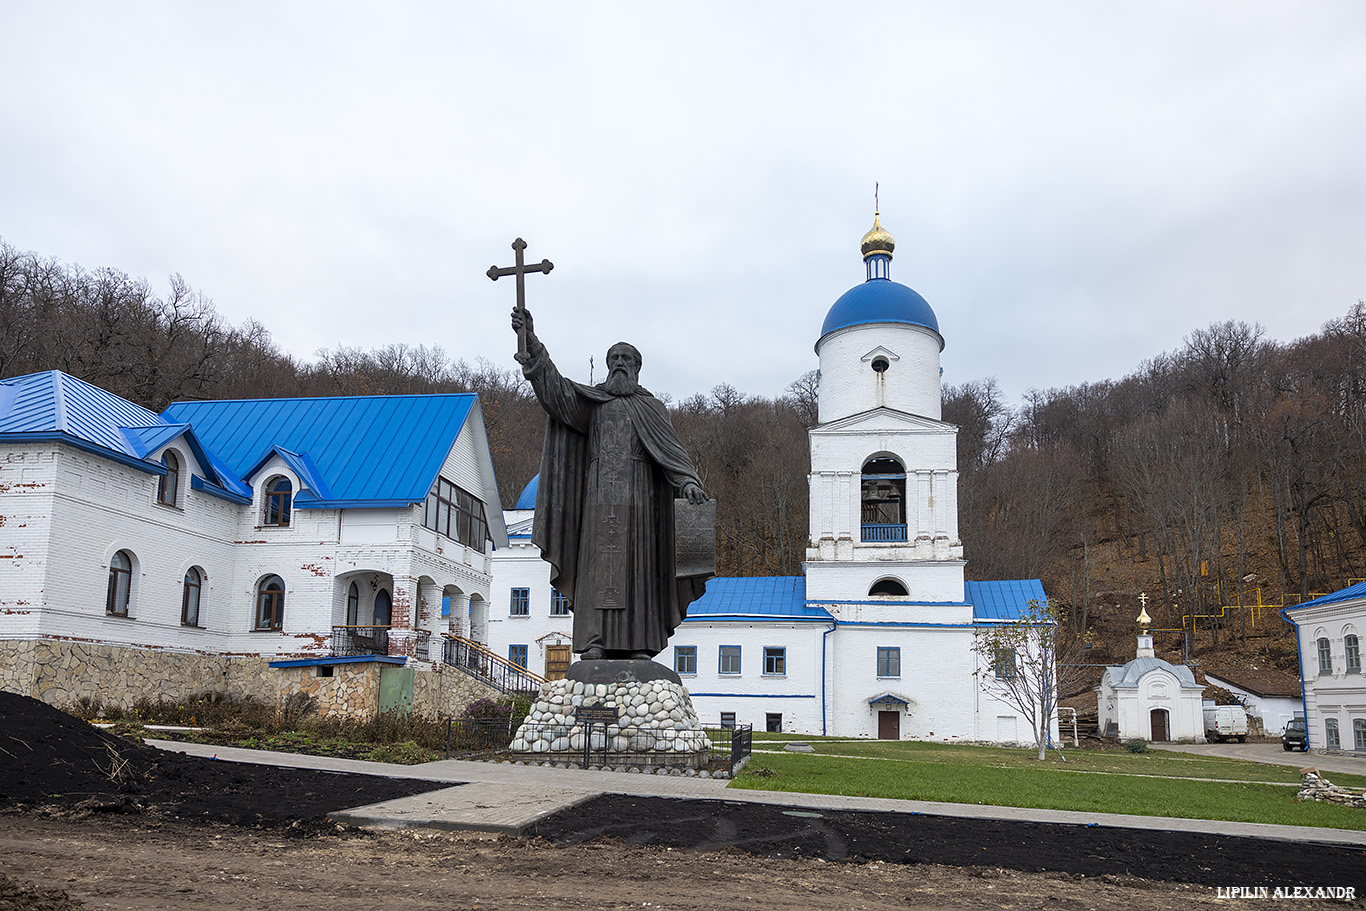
[(878, 239)]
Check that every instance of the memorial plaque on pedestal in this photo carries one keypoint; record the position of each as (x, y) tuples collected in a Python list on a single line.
[(596, 714), (694, 538)]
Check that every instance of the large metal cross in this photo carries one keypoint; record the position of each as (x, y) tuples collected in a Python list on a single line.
[(520, 270)]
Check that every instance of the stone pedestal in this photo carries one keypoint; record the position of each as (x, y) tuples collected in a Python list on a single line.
[(622, 712)]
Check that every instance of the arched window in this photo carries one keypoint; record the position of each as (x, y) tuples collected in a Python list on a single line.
[(1325, 658), (1330, 733), (189, 604), (1352, 646), (384, 607), (883, 500), (169, 483), (888, 587), (277, 501), (352, 605), (270, 603), (120, 584)]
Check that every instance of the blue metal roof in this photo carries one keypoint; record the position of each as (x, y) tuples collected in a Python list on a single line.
[(1128, 676), (764, 597), (359, 450), (879, 300), (61, 408), (1003, 600), (528, 498), (1349, 593)]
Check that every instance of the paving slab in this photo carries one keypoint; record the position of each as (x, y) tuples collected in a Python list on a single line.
[(502, 797)]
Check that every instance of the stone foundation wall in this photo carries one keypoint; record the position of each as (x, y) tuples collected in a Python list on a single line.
[(63, 673)]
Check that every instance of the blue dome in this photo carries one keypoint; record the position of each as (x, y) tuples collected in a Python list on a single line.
[(528, 498), (879, 300)]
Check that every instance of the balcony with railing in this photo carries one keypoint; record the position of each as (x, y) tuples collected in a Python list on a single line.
[(354, 641), (882, 533)]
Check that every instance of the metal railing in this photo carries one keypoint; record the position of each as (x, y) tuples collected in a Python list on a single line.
[(493, 669), (352, 641), (718, 749), (882, 534), (422, 644)]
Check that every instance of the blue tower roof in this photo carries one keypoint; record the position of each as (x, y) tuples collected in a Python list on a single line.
[(528, 498), (879, 300)]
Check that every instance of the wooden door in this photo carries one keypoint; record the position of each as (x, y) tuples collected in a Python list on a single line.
[(888, 725), (556, 661), (1159, 725)]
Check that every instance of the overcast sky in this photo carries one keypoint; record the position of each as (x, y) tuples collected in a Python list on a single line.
[(1072, 186)]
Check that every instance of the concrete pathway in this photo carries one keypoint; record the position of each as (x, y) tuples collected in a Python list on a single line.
[(494, 797), (1272, 754)]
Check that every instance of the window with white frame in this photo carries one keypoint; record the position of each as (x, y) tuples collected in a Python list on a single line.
[(685, 659), (729, 659), (1330, 733), (517, 655), (888, 661), (1353, 649), (775, 661), (559, 603), (520, 602), (1325, 657)]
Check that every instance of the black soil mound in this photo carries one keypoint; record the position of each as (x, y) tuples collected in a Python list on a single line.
[(771, 831), (54, 760)]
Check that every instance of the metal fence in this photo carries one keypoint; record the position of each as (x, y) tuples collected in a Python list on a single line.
[(716, 749)]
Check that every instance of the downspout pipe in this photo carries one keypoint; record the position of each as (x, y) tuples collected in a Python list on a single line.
[(1299, 658), (833, 623)]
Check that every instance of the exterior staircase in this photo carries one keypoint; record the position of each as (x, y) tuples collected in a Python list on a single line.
[(491, 668)]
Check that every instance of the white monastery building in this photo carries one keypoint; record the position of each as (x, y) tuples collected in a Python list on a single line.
[(876, 638), (315, 532), (1150, 699), (1328, 631)]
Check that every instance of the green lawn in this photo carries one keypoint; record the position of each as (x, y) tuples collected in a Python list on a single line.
[(1148, 784)]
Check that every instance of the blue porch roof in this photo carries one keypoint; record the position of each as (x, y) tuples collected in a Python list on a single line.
[(1350, 593)]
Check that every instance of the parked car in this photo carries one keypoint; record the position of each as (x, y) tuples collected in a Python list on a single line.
[(1225, 722), (1295, 736)]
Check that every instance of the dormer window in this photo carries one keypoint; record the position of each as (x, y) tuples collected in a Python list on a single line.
[(457, 514), (169, 483), (278, 493)]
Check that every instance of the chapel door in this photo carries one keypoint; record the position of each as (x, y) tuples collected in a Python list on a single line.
[(1159, 725), (556, 661), (888, 725)]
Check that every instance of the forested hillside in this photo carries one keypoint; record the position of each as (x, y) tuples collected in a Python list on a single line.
[(1230, 470)]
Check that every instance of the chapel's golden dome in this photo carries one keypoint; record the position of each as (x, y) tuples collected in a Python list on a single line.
[(877, 240)]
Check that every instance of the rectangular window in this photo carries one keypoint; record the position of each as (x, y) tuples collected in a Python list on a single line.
[(1353, 648), (773, 722), (521, 602), (1330, 730), (888, 661), (1005, 664), (775, 661), (685, 659), (730, 659), (517, 655), (1325, 658), (1359, 734), (559, 604), (457, 514), (728, 720)]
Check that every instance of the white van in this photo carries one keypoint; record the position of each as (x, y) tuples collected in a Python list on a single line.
[(1224, 722)]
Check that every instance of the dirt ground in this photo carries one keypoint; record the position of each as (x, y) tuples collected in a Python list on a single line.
[(87, 820)]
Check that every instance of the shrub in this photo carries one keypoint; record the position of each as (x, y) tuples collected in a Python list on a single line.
[(1136, 745), (488, 710)]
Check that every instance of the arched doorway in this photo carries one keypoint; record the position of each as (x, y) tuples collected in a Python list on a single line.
[(1160, 730)]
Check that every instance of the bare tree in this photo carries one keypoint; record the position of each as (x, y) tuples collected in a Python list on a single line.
[(1027, 664)]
